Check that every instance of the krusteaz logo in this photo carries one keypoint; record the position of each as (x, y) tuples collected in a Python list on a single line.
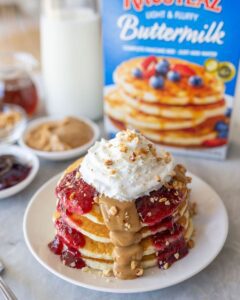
[(138, 5)]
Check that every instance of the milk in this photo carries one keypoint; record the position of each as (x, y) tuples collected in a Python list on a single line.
[(72, 63)]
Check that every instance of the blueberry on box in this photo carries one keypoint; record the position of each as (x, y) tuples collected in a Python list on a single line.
[(157, 82), (228, 112), (173, 76), (221, 126), (162, 67), (195, 80), (137, 73), (223, 134)]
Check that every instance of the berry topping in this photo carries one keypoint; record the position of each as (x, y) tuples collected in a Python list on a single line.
[(162, 67), (166, 239), (157, 82), (159, 205), (173, 76), (195, 81), (137, 73), (75, 194), (223, 134), (178, 250), (148, 66), (149, 72), (69, 256), (70, 235), (221, 126), (150, 60), (184, 70), (72, 258), (56, 246), (217, 142)]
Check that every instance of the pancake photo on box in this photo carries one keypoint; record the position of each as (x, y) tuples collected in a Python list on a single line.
[(122, 208), (171, 101)]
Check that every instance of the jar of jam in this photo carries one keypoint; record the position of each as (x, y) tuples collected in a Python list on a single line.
[(16, 83)]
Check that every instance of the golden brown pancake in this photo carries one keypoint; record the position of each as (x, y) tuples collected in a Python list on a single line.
[(173, 93), (98, 249)]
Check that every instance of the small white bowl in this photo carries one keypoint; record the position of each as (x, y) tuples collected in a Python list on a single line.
[(59, 155), (12, 135), (24, 156)]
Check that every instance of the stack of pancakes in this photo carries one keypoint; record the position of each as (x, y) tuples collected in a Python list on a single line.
[(165, 232), (176, 115)]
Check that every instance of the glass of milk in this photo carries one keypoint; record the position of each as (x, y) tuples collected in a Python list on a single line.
[(71, 53)]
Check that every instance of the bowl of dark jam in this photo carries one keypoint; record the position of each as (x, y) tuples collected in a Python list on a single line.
[(18, 167)]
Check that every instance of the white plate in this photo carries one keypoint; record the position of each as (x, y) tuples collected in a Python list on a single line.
[(211, 225), (60, 155), (24, 156)]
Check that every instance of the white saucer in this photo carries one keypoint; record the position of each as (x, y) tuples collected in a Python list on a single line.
[(26, 157), (211, 224), (60, 155)]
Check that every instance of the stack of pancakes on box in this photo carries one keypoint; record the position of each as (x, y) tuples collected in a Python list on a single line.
[(166, 221), (177, 114)]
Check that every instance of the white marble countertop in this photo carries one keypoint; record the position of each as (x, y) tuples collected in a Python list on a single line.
[(220, 280)]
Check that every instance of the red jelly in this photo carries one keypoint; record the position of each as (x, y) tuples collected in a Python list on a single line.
[(170, 245), (167, 223), (74, 194), (152, 211), (56, 246), (71, 236), (166, 238), (69, 256), (177, 251), (12, 171), (72, 258)]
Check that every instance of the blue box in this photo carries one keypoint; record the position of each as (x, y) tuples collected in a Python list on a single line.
[(171, 70)]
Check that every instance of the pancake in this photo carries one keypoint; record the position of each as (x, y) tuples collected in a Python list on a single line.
[(179, 138), (172, 111), (133, 117), (106, 265), (100, 233), (173, 93), (164, 130), (103, 250), (140, 120), (114, 106), (162, 235)]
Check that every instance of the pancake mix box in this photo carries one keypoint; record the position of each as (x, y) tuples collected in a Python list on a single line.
[(171, 70)]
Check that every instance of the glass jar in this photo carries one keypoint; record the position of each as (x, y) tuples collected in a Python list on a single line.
[(16, 83), (71, 52)]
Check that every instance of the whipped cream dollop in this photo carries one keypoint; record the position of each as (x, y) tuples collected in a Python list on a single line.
[(126, 167)]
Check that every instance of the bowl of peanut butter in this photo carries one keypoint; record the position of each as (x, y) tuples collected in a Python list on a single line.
[(59, 139)]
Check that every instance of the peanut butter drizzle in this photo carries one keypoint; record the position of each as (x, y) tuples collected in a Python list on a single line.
[(122, 220)]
